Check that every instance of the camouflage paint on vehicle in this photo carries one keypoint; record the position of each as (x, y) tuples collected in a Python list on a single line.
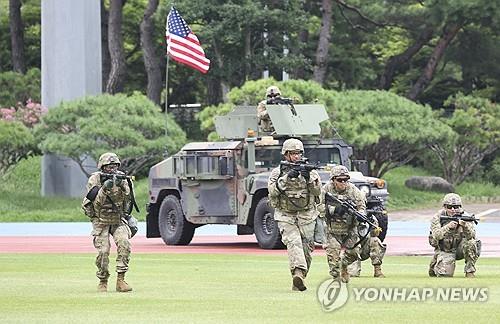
[(223, 182)]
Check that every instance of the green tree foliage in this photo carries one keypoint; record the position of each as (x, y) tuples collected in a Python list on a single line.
[(252, 92), (476, 134), (493, 171), (131, 126), (31, 16), (17, 87), (385, 129), (16, 142)]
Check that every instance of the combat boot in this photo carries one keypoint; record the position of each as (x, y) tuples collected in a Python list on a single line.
[(431, 272), (377, 271), (470, 275), (344, 275), (298, 280), (103, 285), (121, 284)]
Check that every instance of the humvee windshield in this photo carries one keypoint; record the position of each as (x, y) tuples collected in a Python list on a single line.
[(270, 158)]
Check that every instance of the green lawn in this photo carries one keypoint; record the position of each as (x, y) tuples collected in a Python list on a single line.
[(402, 197), (206, 288), (20, 199)]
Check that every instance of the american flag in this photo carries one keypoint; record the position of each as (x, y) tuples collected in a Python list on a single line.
[(182, 45)]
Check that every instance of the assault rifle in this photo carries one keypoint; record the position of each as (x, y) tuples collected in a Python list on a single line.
[(112, 176), (301, 165), (121, 176), (466, 217), (348, 207), (282, 101)]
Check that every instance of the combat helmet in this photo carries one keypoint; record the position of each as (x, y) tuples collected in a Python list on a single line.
[(339, 171), (108, 158), (273, 91), (292, 144), (452, 199)]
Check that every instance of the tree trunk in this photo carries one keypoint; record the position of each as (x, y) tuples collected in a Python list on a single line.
[(449, 32), (16, 36), (151, 58), (321, 66), (115, 39), (300, 72), (214, 91), (396, 61), (105, 59), (215, 86), (248, 56)]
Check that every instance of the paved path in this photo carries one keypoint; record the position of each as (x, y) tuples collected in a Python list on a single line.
[(407, 235), (396, 245)]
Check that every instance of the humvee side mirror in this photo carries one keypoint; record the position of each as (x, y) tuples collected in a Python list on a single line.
[(361, 166)]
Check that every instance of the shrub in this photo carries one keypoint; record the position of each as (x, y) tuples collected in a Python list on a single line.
[(131, 126), (17, 87), (16, 142)]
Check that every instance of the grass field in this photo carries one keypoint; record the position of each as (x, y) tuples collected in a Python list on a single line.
[(182, 288)]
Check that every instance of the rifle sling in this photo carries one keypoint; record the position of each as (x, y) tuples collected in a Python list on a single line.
[(132, 195)]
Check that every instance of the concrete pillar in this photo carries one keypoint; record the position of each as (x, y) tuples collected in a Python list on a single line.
[(71, 68)]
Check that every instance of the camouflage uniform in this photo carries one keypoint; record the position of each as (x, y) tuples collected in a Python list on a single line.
[(342, 232), (371, 247), (294, 200), (106, 214), (265, 123), (451, 244)]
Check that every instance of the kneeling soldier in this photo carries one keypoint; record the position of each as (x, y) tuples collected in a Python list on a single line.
[(454, 238)]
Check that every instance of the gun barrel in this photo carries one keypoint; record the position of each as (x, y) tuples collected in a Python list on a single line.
[(302, 166), (351, 208), (465, 218), (116, 175)]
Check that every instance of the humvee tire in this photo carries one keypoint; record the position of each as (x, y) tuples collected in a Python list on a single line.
[(174, 228), (265, 227)]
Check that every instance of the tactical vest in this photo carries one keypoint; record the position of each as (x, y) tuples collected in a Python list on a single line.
[(112, 209), (341, 223), (296, 197), (110, 214), (451, 239)]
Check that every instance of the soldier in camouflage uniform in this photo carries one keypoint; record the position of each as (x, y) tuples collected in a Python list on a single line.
[(294, 196), (105, 204), (265, 123), (452, 240), (342, 236)]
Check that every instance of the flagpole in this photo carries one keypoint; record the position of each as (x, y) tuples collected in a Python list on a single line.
[(166, 89), (166, 105)]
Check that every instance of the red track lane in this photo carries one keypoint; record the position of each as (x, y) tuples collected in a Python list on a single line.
[(396, 245)]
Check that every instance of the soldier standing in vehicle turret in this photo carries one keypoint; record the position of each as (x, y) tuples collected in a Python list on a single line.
[(106, 203), (343, 241), (265, 123), (294, 195), (452, 240)]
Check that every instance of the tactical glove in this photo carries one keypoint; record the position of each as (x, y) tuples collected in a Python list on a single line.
[(305, 174), (339, 211), (377, 230), (108, 184), (293, 173), (118, 182), (452, 225)]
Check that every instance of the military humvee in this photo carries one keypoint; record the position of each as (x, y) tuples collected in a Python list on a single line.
[(226, 182)]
